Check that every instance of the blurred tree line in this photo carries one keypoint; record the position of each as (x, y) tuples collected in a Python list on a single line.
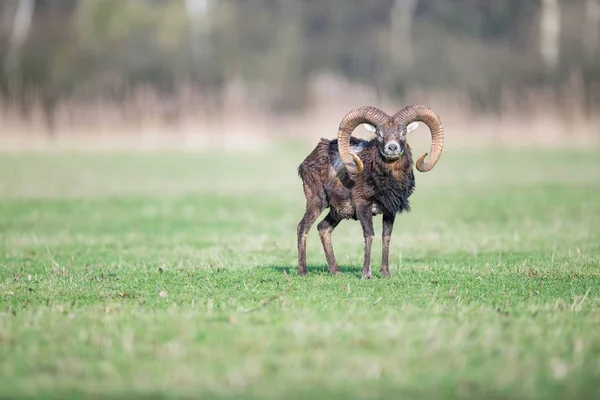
[(53, 50)]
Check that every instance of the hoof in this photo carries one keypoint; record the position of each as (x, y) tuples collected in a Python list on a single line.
[(367, 276), (385, 274), (302, 272), (335, 271)]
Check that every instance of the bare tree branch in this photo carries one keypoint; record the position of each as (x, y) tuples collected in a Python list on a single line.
[(550, 33), (591, 28), (197, 11), (19, 33), (401, 31)]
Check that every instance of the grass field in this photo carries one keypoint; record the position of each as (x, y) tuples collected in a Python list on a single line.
[(173, 275)]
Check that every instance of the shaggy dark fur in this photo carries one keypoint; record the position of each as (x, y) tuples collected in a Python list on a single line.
[(384, 187)]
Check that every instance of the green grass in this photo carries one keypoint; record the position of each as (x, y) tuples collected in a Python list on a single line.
[(173, 275)]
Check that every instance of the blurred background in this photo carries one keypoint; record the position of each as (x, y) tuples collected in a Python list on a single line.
[(239, 73)]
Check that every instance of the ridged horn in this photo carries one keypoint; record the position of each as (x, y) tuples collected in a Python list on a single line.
[(356, 117), (419, 112)]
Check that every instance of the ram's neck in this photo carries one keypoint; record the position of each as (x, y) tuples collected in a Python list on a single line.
[(398, 169)]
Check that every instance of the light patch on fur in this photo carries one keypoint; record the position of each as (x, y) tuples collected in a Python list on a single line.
[(357, 148), (336, 163), (375, 209), (412, 126)]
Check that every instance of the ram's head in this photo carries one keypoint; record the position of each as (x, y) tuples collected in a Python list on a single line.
[(391, 134), (391, 138)]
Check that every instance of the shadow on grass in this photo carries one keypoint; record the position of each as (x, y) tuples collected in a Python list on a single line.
[(321, 269), (490, 263)]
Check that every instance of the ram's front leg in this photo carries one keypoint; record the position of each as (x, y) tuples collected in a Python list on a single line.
[(365, 217), (388, 225)]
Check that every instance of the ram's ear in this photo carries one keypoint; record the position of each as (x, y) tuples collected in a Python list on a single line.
[(412, 126), (369, 127)]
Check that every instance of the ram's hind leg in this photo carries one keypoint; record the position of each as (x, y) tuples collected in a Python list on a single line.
[(314, 207), (325, 228), (365, 217), (388, 225)]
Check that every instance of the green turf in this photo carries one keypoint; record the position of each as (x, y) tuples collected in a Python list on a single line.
[(173, 275)]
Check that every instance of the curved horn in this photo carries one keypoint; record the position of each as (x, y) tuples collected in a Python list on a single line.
[(358, 116), (418, 112)]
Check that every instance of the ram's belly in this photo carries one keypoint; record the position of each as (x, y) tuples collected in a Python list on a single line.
[(343, 209)]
